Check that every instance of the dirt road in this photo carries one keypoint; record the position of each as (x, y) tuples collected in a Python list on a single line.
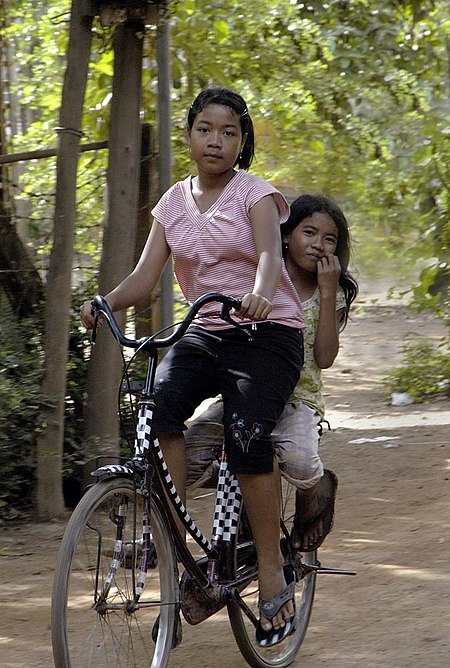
[(392, 527)]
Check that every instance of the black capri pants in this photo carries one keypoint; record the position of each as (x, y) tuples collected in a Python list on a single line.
[(255, 368)]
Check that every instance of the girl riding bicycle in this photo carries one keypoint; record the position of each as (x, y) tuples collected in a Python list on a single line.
[(222, 228)]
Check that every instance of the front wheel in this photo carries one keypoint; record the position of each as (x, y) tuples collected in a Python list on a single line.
[(99, 617), (243, 617)]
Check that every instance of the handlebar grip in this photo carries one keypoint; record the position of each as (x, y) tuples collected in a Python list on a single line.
[(101, 306), (235, 303), (99, 303)]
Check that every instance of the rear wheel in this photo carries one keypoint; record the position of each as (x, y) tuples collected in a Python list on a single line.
[(243, 618), (97, 618)]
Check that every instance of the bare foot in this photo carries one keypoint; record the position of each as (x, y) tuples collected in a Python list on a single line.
[(306, 509)]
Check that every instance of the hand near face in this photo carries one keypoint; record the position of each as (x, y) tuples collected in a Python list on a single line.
[(328, 272)]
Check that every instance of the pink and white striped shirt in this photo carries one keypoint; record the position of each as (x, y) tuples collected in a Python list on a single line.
[(215, 251)]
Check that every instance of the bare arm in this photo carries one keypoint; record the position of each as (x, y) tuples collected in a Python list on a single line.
[(265, 221), (142, 280), (326, 341)]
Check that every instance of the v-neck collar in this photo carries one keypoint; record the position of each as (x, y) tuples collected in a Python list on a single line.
[(306, 302), (198, 218)]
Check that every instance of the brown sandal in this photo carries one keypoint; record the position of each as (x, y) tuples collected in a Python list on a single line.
[(326, 501)]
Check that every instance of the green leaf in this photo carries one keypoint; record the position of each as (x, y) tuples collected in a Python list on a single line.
[(222, 30)]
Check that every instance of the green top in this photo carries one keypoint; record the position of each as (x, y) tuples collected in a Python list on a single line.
[(309, 388)]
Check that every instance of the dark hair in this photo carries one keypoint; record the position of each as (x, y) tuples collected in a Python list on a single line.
[(304, 207), (228, 98)]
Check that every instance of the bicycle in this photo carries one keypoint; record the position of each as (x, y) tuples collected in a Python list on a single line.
[(117, 594)]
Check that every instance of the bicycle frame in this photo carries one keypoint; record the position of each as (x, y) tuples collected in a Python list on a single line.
[(220, 582)]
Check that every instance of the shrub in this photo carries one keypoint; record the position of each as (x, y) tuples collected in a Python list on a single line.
[(21, 408), (425, 370)]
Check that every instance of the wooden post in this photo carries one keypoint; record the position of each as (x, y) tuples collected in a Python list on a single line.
[(165, 153), (49, 499), (147, 313), (101, 423)]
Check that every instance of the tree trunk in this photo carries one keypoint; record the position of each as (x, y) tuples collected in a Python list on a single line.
[(50, 502), (165, 154), (101, 423), (147, 313), (18, 277)]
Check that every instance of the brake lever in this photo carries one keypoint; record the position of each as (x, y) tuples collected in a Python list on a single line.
[(225, 315), (94, 331), (95, 314)]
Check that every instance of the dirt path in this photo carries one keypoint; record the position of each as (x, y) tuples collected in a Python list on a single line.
[(392, 526)]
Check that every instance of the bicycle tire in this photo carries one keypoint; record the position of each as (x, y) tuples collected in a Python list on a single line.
[(117, 633), (243, 628)]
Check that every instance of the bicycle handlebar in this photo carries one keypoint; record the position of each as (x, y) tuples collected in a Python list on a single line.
[(101, 307)]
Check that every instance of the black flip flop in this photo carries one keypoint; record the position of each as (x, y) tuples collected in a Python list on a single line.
[(270, 607)]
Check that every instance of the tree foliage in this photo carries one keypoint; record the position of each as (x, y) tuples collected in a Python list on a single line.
[(349, 97)]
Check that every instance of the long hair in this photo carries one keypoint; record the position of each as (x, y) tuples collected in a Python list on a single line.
[(234, 101), (304, 207)]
